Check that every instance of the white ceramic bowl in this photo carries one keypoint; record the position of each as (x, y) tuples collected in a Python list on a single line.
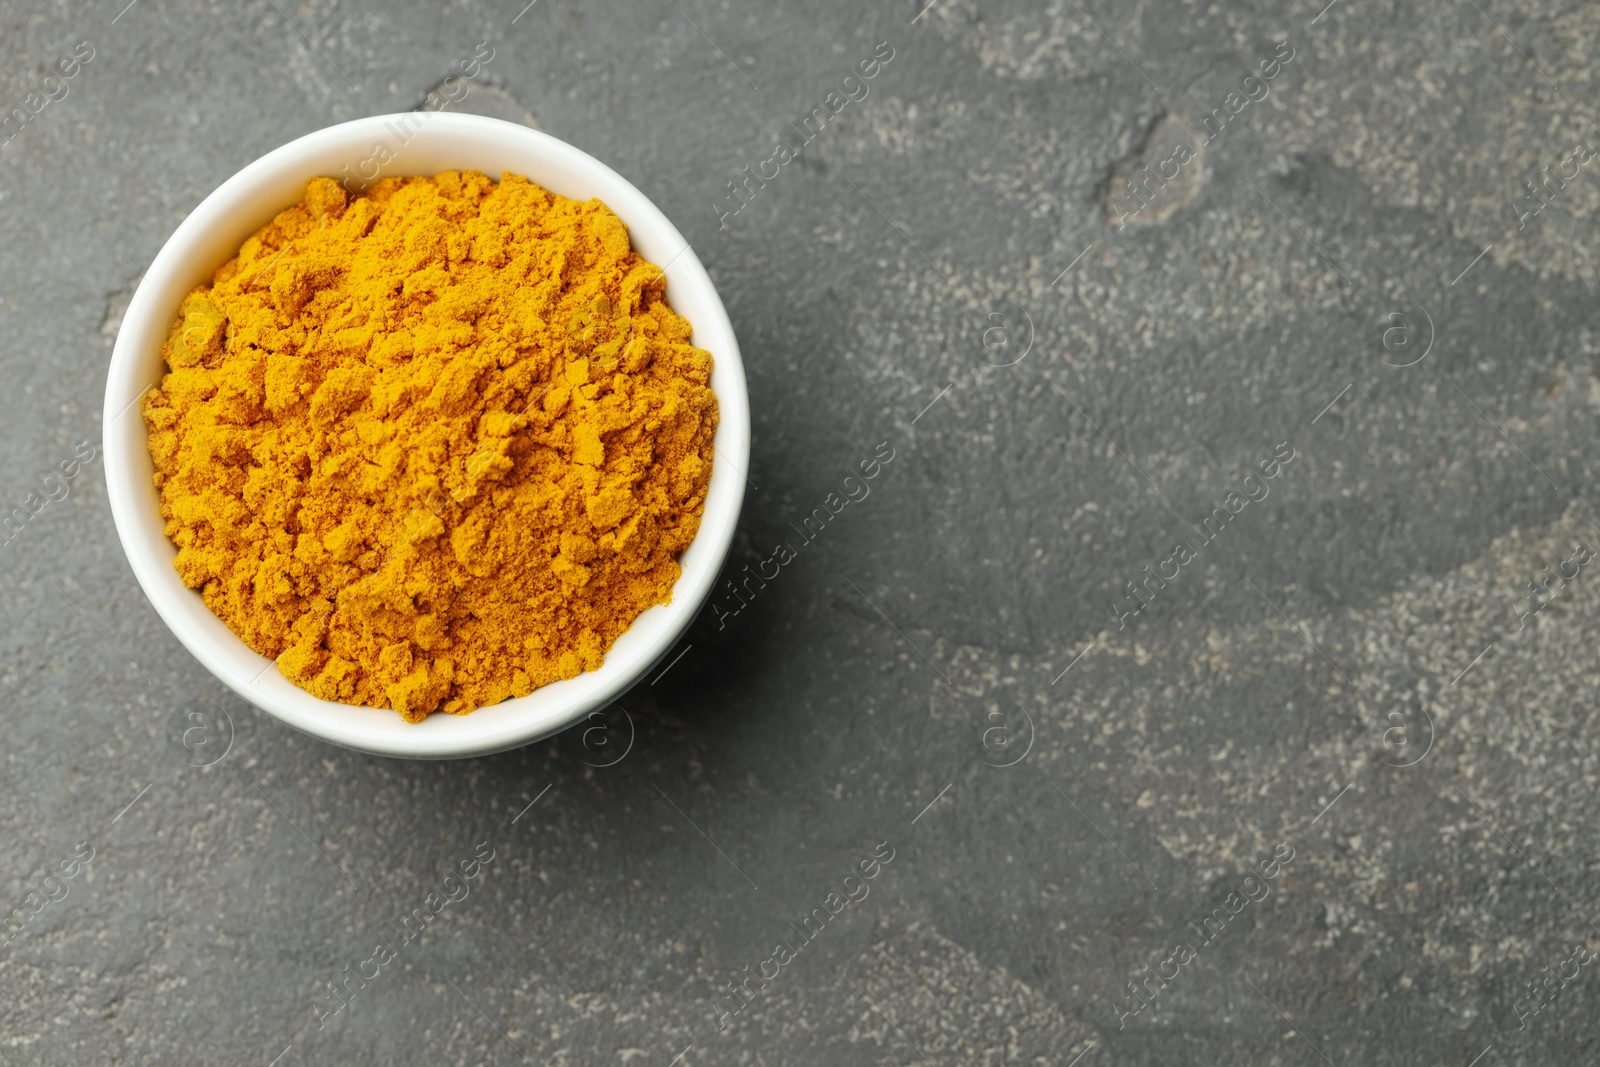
[(213, 233)]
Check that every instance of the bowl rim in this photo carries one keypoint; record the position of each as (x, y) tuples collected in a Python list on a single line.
[(247, 199)]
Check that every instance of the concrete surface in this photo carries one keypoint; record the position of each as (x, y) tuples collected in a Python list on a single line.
[(1349, 672)]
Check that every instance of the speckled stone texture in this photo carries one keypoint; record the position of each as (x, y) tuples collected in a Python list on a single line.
[(1332, 717)]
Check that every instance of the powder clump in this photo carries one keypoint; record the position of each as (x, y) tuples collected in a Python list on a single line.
[(433, 446)]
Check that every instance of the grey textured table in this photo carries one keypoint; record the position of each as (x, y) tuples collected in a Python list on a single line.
[(1328, 794)]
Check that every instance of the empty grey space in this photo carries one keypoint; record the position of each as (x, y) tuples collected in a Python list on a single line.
[(1321, 785)]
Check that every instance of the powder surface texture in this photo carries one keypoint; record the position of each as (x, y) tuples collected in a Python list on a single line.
[(433, 446)]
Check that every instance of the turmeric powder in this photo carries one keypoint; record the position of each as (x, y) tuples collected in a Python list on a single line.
[(435, 445)]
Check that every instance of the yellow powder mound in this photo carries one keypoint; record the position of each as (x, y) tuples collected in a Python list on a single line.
[(433, 446)]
